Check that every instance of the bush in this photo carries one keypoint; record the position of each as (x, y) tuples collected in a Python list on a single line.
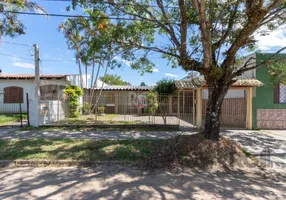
[(100, 109), (86, 108), (73, 93)]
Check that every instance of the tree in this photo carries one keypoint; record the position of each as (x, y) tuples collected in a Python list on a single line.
[(73, 93), (165, 86), (143, 84), (10, 25), (163, 89), (91, 39), (207, 36), (113, 79), (74, 41)]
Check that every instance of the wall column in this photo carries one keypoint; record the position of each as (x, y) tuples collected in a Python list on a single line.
[(249, 108), (116, 102), (199, 108), (170, 104)]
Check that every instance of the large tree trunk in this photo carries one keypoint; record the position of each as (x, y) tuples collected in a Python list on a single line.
[(217, 93)]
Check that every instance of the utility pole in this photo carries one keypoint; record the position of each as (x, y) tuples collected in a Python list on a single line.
[(37, 70), (34, 113)]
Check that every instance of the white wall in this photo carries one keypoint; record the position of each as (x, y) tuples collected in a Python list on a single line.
[(52, 111), (28, 87), (229, 95), (75, 80), (251, 73)]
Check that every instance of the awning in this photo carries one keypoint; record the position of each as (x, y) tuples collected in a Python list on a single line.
[(195, 83)]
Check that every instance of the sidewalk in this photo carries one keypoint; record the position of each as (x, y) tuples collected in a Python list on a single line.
[(89, 134)]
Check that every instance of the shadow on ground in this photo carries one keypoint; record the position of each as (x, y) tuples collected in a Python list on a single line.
[(118, 182), (89, 134)]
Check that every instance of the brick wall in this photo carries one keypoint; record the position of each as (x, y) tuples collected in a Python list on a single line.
[(271, 118)]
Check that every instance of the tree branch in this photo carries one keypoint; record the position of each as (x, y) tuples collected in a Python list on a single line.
[(267, 61), (229, 27)]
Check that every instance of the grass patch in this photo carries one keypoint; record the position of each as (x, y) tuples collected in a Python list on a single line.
[(11, 118), (76, 149), (90, 120)]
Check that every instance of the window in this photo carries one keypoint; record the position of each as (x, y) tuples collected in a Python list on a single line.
[(280, 93), (13, 95)]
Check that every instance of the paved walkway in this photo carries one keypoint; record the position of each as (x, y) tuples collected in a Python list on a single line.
[(92, 134), (267, 145), (118, 182)]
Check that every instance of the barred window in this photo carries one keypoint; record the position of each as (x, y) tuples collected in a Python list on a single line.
[(280, 93)]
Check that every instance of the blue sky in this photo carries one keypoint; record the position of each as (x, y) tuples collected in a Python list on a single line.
[(43, 31)]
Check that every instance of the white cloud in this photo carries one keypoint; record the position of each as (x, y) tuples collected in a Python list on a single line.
[(126, 62), (155, 70), (274, 39), (171, 75), (24, 65)]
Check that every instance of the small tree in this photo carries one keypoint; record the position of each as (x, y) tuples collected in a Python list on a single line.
[(73, 93), (143, 84), (113, 79), (163, 89), (165, 86), (152, 102)]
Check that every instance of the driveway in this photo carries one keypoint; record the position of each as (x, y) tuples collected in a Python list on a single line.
[(119, 182), (270, 146)]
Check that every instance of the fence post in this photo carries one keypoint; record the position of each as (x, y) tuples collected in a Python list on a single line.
[(194, 109), (28, 107), (21, 118), (199, 102)]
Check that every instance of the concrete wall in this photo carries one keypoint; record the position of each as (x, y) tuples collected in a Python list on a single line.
[(75, 80), (266, 114), (231, 94), (52, 111), (28, 87)]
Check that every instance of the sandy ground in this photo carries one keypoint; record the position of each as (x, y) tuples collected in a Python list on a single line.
[(119, 182)]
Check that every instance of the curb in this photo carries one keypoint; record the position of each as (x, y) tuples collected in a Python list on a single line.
[(60, 163)]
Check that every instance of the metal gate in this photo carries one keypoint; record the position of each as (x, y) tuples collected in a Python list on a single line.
[(184, 105), (233, 112)]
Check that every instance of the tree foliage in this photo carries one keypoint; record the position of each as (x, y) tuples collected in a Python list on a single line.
[(278, 73), (73, 93), (113, 79), (10, 24), (206, 36), (165, 86), (143, 83), (152, 102)]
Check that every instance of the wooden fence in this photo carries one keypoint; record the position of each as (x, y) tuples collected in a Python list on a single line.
[(233, 113)]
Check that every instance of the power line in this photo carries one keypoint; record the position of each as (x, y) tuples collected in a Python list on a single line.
[(85, 16), (57, 60), (3, 54), (14, 43), (119, 4)]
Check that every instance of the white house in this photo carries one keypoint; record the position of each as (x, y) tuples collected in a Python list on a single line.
[(18, 89)]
